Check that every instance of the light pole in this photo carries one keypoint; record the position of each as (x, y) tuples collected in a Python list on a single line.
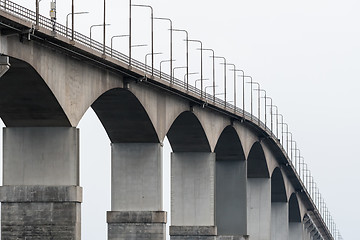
[(271, 114), (130, 44), (213, 69), (224, 76), (173, 71), (258, 89), (171, 44), (197, 80), (67, 20), (201, 62), (152, 55), (92, 26), (104, 28), (210, 87), (243, 73), (116, 36), (37, 14), (262, 90), (187, 50), (287, 136), (163, 61), (152, 34), (186, 77), (277, 121)]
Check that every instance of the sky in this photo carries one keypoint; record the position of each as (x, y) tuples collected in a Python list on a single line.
[(305, 54)]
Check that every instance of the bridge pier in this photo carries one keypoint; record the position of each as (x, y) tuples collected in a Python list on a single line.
[(295, 231), (259, 208), (279, 221), (40, 196), (192, 196), (136, 192)]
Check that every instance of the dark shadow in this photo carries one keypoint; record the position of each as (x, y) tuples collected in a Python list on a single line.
[(294, 210), (124, 118), (27, 101), (278, 192), (256, 163), (187, 135)]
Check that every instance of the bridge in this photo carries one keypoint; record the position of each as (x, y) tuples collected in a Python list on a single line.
[(235, 172)]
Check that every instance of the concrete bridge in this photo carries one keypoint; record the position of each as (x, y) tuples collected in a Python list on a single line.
[(230, 176)]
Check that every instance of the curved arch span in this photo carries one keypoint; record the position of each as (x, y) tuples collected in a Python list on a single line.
[(256, 163)]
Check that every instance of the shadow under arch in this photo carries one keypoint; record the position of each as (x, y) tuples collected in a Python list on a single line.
[(186, 134), (27, 101), (278, 191), (256, 163), (124, 118), (230, 184), (294, 209)]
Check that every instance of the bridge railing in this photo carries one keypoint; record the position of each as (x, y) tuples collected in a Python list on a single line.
[(56, 28)]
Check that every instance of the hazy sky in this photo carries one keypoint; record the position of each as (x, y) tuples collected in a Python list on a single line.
[(305, 54)]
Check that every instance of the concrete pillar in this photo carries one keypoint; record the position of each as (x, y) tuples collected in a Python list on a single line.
[(231, 205), (295, 231), (136, 192), (259, 208), (279, 221), (40, 195), (192, 196)]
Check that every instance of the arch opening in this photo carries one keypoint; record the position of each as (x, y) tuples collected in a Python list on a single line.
[(294, 209), (27, 101), (124, 118), (278, 191), (186, 134), (257, 165)]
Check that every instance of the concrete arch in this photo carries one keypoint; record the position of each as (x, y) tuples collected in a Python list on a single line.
[(31, 105), (186, 134), (230, 184), (257, 166), (124, 118), (278, 189)]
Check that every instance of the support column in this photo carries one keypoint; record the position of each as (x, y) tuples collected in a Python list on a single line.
[(40, 196), (279, 221), (296, 231), (192, 196), (136, 192), (259, 208)]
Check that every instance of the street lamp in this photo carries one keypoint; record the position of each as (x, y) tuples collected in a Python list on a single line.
[(258, 89), (210, 87), (213, 69), (152, 34), (186, 78), (224, 63), (271, 114), (243, 73), (187, 48), (116, 36), (277, 121), (171, 43), (96, 25), (201, 62), (173, 71), (152, 55), (163, 61), (262, 90), (197, 80), (67, 20)]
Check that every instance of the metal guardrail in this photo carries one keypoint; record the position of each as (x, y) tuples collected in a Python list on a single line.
[(28, 15)]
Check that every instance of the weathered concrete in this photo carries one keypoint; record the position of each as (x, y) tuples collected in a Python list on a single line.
[(279, 221), (193, 232), (295, 231), (193, 189), (136, 225), (41, 198), (136, 177), (259, 208), (136, 192), (41, 156)]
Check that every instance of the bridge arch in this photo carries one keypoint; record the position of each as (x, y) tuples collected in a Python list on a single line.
[(27, 101), (187, 134), (124, 118), (230, 184)]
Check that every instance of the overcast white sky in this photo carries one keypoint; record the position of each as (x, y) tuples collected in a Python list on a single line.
[(305, 54)]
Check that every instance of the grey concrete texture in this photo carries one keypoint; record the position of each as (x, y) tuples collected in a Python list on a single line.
[(193, 189), (232, 238), (259, 208), (41, 156), (136, 217), (279, 221), (34, 221), (295, 231), (136, 177), (39, 193), (136, 231), (193, 230)]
